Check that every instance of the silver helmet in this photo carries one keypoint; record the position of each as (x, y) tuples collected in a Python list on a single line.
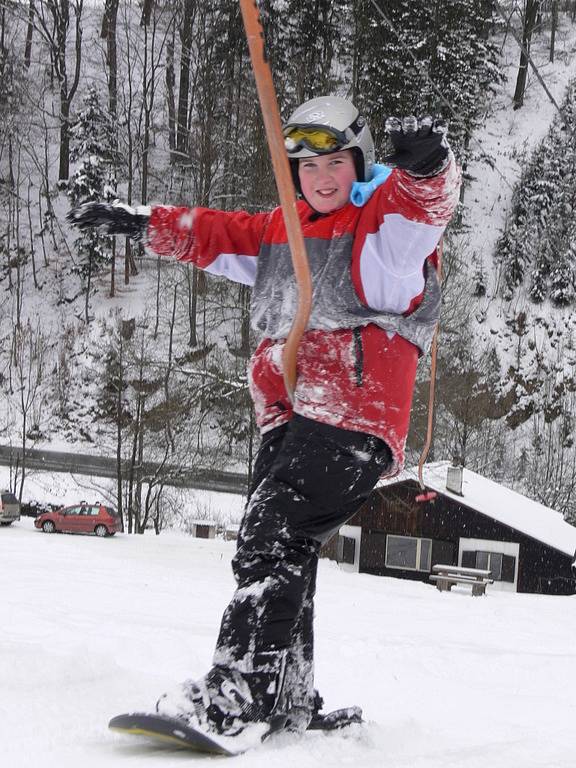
[(329, 124)]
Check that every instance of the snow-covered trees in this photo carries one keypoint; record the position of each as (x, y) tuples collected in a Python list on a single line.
[(93, 180), (425, 57), (171, 110), (537, 245)]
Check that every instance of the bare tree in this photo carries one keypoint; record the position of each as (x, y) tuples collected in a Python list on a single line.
[(553, 28), (26, 381), (528, 24), (29, 34), (54, 23), (185, 31)]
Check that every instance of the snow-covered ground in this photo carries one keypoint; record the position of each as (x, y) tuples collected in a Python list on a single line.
[(91, 628)]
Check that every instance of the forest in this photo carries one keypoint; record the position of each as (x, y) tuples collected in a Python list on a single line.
[(106, 348)]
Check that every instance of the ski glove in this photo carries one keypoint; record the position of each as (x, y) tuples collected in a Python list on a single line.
[(420, 146), (113, 218)]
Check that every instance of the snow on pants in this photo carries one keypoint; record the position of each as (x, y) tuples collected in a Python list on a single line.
[(309, 479)]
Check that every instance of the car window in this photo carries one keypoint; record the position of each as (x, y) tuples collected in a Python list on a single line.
[(93, 511), (71, 511)]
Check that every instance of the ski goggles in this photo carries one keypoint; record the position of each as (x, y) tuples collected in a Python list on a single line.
[(320, 139)]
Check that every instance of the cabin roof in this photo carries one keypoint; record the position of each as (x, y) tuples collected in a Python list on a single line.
[(500, 503)]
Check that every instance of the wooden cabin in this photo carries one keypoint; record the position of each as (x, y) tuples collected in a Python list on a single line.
[(472, 522), (204, 529)]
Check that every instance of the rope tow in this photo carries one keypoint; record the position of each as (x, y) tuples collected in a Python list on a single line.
[(284, 184)]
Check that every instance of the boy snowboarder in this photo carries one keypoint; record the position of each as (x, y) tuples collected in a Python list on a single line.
[(376, 301)]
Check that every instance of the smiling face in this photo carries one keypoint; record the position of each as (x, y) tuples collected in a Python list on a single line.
[(326, 180)]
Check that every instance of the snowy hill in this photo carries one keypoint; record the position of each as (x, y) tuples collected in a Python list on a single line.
[(181, 372), (93, 627)]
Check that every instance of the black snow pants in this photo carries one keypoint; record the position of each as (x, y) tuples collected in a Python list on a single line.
[(309, 479)]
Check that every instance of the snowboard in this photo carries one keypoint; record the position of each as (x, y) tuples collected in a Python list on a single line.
[(172, 731)]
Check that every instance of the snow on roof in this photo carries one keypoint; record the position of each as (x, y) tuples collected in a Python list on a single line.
[(203, 521), (501, 504)]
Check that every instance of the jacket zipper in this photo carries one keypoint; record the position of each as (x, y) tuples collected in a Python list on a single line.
[(358, 356)]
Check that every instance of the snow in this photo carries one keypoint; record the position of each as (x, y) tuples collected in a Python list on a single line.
[(502, 504), (94, 627), (509, 137), (61, 488)]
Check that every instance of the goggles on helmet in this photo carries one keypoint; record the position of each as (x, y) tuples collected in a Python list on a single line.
[(316, 138), (320, 139)]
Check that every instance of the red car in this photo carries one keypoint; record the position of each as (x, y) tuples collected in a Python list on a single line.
[(82, 518)]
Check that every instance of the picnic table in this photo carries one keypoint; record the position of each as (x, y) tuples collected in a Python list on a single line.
[(446, 576)]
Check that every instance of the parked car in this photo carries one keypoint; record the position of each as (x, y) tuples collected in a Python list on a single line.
[(81, 518), (9, 508), (36, 508)]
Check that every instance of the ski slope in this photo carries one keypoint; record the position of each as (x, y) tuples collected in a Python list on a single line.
[(91, 628)]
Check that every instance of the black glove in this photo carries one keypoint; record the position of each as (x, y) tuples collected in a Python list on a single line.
[(420, 146), (114, 219)]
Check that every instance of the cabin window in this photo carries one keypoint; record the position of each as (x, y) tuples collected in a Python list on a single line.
[(502, 567), (346, 550), (408, 553)]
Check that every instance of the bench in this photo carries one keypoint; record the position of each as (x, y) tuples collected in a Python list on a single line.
[(446, 576)]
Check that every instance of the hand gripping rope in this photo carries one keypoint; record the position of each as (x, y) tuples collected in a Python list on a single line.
[(284, 184)]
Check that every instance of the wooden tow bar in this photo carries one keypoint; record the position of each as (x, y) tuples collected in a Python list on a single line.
[(284, 184), (425, 495)]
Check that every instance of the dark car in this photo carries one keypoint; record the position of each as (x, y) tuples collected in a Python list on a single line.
[(9, 508), (81, 518)]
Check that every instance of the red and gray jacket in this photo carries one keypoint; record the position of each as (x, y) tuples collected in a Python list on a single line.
[(376, 297)]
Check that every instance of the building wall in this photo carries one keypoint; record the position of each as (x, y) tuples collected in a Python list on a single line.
[(510, 548), (545, 570), (394, 510)]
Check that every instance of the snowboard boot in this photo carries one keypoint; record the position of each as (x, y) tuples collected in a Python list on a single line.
[(331, 721), (311, 718), (225, 702)]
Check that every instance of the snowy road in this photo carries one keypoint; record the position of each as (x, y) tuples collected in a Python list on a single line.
[(91, 628), (102, 466)]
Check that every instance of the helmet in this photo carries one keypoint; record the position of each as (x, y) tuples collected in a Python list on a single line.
[(329, 124)]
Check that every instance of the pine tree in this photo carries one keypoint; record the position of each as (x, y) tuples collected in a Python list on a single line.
[(562, 280), (425, 57), (538, 232), (479, 279), (93, 179)]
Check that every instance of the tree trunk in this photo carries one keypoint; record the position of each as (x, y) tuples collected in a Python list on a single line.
[(29, 33), (31, 232), (88, 287), (109, 23), (64, 165), (146, 85), (554, 26), (169, 434), (170, 83), (184, 84), (120, 384), (157, 320), (113, 270), (192, 280), (527, 30)]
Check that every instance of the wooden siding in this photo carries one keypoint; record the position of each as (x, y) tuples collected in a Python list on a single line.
[(394, 510)]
